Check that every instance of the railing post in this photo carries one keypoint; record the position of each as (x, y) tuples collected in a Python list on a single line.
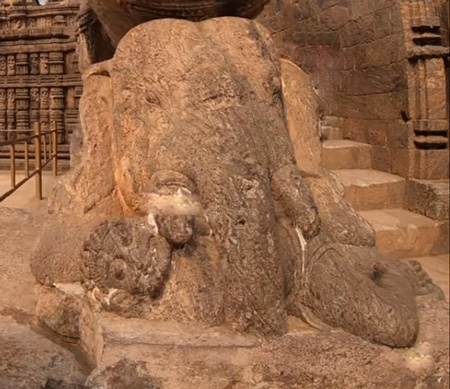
[(12, 152), (54, 151), (27, 160), (37, 158)]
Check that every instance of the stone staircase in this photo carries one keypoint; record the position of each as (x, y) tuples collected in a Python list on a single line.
[(382, 199)]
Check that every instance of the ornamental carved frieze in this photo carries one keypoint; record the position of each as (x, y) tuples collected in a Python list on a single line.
[(39, 76)]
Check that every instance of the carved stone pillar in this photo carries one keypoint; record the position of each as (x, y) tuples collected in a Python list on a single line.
[(56, 63), (3, 134), (22, 108), (22, 64), (11, 113), (44, 109), (34, 105), (78, 94), (425, 155), (57, 112), (43, 63)]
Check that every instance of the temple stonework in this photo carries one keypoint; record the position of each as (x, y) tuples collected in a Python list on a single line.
[(39, 76), (380, 70)]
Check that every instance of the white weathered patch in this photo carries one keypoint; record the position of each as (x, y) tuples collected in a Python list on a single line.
[(303, 245), (152, 224)]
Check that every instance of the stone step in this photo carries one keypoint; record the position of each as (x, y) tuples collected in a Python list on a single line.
[(404, 234), (346, 154), (367, 189), (331, 133)]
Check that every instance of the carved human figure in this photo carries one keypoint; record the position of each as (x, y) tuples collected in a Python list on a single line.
[(17, 24), (43, 64), (11, 66), (3, 66), (11, 99), (44, 97), (3, 100), (31, 23), (34, 63), (208, 159), (34, 98)]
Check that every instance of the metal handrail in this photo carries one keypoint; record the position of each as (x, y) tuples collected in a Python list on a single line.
[(50, 154)]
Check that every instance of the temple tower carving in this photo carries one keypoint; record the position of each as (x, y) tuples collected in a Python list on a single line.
[(39, 76)]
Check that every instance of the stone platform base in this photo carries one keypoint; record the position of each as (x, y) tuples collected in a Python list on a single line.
[(135, 353)]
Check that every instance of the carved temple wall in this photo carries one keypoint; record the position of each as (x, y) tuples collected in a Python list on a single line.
[(381, 71), (39, 76)]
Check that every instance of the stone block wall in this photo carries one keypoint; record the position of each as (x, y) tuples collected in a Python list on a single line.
[(369, 65)]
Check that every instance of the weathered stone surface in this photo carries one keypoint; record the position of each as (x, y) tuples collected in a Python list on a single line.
[(117, 17), (59, 309), (18, 235), (171, 356), (376, 65), (371, 189), (344, 154), (203, 165), (30, 361), (339, 220), (85, 193), (403, 234), (302, 113), (429, 198), (56, 258), (125, 374)]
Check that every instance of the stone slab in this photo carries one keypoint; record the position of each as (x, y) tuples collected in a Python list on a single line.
[(346, 154), (29, 360), (371, 189), (174, 357), (403, 234)]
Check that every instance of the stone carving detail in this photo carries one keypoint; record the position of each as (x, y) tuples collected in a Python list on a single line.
[(117, 17), (11, 65), (125, 256), (426, 54), (3, 99), (3, 107), (34, 63), (33, 51), (3, 67), (11, 99), (220, 226), (43, 63), (34, 98)]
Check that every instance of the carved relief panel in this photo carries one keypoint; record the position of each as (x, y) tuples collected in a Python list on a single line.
[(38, 65), (3, 66)]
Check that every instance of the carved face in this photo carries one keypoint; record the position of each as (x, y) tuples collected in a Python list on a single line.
[(2, 63)]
